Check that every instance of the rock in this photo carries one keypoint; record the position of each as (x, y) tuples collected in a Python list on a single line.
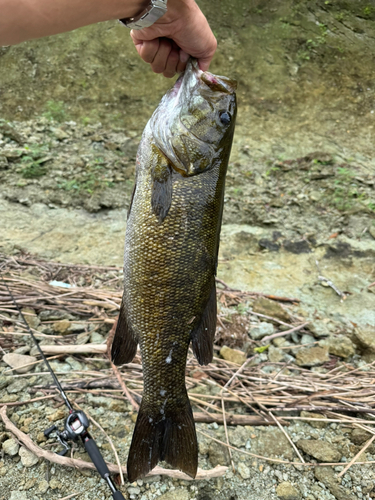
[(177, 494), (59, 134), (55, 484), (82, 338), (218, 454), (319, 449), (17, 386), (339, 345), (11, 447), (134, 490), (16, 360), (3, 162), (31, 318), (233, 355), (286, 491), (366, 338), (262, 330), (312, 356), (78, 327), (25, 349), (62, 326), (110, 404), (318, 328), (243, 470), (326, 476), (55, 316), (307, 339), (371, 228), (271, 308), (359, 436), (4, 381), (43, 486), (57, 415), (96, 338), (275, 355), (28, 459), (238, 436), (317, 425), (18, 495), (272, 443), (76, 365)]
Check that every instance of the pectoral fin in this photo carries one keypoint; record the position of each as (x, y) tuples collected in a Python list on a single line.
[(161, 177), (124, 346), (203, 335)]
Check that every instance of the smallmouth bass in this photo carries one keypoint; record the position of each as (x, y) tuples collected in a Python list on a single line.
[(171, 251)]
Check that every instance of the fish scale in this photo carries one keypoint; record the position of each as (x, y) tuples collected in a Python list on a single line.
[(171, 247)]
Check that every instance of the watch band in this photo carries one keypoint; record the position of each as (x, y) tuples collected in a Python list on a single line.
[(154, 11)]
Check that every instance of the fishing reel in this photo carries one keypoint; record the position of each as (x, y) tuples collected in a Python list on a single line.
[(75, 426)]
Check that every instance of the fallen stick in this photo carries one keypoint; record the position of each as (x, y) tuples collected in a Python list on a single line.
[(218, 471), (74, 349)]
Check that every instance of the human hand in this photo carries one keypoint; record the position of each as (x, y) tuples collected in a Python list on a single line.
[(182, 32)]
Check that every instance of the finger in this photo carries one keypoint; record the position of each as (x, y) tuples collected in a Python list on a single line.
[(183, 59), (205, 61), (160, 60), (171, 65), (149, 49)]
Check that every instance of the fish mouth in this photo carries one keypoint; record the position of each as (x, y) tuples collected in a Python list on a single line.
[(168, 114)]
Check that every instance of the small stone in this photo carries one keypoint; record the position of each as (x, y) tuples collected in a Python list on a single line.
[(17, 386), (55, 316), (275, 355), (366, 338), (25, 349), (58, 415), (312, 356), (76, 365), (78, 327), (177, 494), (3, 162), (96, 338), (326, 476), (218, 454), (11, 447), (319, 449), (233, 355), (31, 318), (286, 491), (271, 308), (108, 403), (314, 423), (340, 346), (28, 459), (4, 381), (318, 328), (134, 490), (238, 436), (18, 495), (307, 339), (55, 484), (41, 438), (82, 338), (62, 326), (359, 436), (372, 231), (243, 470), (272, 443), (262, 330), (43, 486), (17, 360), (59, 133)]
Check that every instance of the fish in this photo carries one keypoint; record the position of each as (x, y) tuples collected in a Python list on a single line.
[(171, 255)]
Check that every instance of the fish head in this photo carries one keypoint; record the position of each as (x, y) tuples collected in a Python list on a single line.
[(193, 125)]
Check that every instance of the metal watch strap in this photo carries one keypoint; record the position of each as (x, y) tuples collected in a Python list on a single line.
[(154, 11)]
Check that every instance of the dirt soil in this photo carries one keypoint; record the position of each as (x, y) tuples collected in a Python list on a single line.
[(299, 216)]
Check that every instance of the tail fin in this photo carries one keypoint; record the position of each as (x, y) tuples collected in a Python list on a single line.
[(172, 439)]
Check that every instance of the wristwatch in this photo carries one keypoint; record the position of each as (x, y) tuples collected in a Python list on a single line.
[(154, 11)]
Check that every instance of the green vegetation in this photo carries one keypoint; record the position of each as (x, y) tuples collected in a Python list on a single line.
[(33, 162), (92, 179), (55, 111)]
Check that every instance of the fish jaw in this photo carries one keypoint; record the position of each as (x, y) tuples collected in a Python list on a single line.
[(186, 127)]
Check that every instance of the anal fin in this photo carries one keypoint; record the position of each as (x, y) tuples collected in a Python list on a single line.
[(124, 346), (203, 335)]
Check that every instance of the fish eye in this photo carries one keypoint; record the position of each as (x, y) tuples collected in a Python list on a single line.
[(225, 117)]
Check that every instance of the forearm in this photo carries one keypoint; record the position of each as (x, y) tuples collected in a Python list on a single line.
[(22, 20)]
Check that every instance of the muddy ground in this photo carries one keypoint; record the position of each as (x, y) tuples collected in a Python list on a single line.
[(299, 217)]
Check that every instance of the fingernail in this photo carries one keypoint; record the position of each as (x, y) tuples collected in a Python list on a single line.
[(184, 56)]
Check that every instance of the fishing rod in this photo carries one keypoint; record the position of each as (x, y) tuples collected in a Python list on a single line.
[(76, 424)]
